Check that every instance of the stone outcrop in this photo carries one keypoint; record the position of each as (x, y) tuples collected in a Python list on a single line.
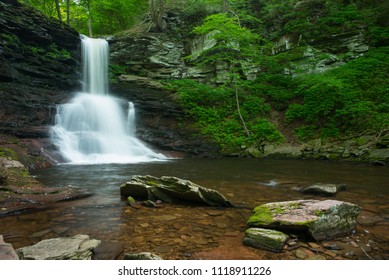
[(20, 192), (367, 148), (172, 189), (322, 220), (78, 247), (38, 67), (161, 122)]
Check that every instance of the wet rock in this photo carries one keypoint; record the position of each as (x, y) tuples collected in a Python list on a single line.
[(316, 257), (7, 251), (301, 254), (78, 247), (332, 246), (267, 239), (131, 201), (321, 219), (172, 189), (324, 189), (107, 250), (20, 191), (9, 163), (142, 256)]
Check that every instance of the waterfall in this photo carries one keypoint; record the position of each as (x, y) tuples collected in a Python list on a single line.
[(131, 128), (92, 128)]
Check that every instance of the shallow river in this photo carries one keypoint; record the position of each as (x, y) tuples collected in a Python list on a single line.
[(198, 232)]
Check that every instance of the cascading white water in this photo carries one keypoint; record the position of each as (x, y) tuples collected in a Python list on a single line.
[(131, 119), (92, 128)]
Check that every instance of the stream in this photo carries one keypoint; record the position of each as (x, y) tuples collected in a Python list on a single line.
[(185, 231)]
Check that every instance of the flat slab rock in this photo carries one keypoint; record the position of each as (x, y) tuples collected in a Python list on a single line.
[(78, 247), (267, 239), (323, 220), (171, 190)]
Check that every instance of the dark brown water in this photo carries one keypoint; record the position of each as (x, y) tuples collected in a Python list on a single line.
[(197, 232)]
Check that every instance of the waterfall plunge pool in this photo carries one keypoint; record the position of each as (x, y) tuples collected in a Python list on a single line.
[(196, 232)]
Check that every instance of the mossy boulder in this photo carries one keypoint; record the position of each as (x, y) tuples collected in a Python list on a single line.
[(267, 239), (172, 190), (322, 220)]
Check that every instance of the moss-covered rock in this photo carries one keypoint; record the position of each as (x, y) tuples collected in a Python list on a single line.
[(267, 239), (321, 219)]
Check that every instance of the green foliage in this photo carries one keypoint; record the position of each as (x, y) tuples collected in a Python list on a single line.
[(8, 153), (352, 98), (234, 42), (106, 16), (56, 53), (214, 111)]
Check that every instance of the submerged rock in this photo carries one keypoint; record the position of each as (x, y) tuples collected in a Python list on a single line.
[(321, 219), (324, 189), (78, 247), (172, 189), (142, 256), (267, 239)]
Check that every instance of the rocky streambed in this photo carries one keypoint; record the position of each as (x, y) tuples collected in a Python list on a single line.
[(185, 230)]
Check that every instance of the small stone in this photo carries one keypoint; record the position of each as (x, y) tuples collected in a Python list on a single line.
[(144, 225), (139, 239), (313, 245), (353, 244), (331, 254), (332, 246), (316, 257), (149, 203), (301, 254), (40, 234), (214, 213), (142, 256)]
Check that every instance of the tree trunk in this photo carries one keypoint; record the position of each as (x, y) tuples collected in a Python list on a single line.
[(238, 108), (225, 6), (58, 9), (90, 26), (157, 11), (68, 11)]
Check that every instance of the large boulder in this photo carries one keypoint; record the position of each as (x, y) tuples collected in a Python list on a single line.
[(78, 247), (321, 219), (172, 189)]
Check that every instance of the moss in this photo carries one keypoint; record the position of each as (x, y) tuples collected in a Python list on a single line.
[(263, 214), (8, 153)]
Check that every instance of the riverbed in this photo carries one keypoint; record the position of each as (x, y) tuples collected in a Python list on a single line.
[(183, 231)]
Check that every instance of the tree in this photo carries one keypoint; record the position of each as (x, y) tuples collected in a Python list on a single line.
[(157, 11), (57, 7), (234, 45)]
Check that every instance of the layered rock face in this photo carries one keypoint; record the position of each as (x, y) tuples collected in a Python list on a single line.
[(38, 68)]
